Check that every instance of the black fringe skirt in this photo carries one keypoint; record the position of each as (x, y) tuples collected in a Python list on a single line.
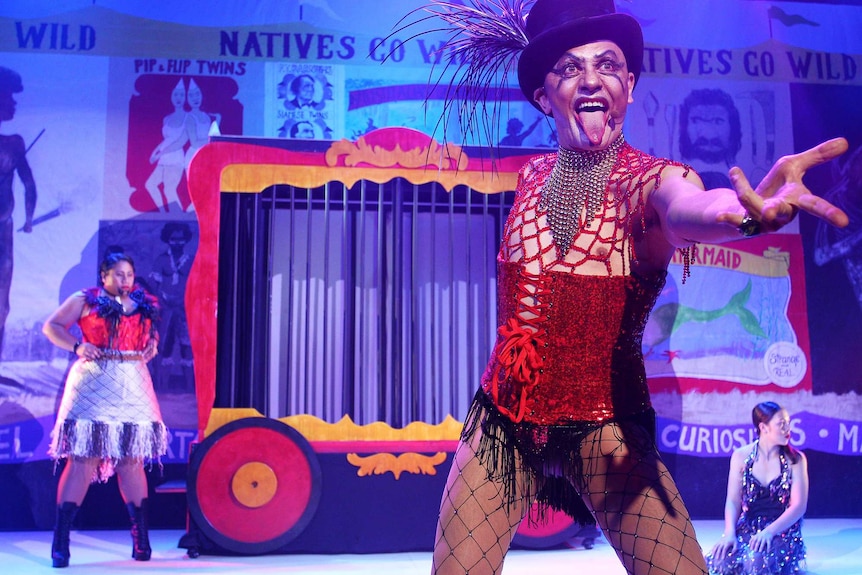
[(550, 455)]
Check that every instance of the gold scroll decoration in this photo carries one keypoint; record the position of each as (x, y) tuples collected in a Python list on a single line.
[(361, 152), (380, 463)]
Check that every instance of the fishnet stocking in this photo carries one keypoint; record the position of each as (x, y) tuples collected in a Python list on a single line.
[(637, 504), (477, 522), (625, 483)]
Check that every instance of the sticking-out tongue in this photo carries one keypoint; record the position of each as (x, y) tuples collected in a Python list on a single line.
[(593, 123)]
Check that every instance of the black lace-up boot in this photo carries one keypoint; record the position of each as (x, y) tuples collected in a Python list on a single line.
[(60, 547), (140, 534)]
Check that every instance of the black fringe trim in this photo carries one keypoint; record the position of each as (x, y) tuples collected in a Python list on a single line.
[(110, 443), (550, 455)]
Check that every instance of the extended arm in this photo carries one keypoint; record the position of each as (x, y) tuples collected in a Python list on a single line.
[(690, 214), (532, 127), (732, 505)]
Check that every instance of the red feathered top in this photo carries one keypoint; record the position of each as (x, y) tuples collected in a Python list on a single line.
[(106, 325)]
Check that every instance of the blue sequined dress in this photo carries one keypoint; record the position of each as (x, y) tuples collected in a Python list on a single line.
[(761, 505)]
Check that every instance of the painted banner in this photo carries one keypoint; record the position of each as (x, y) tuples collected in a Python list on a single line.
[(808, 431), (111, 101)]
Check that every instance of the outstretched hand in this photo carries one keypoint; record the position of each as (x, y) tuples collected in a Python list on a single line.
[(781, 194)]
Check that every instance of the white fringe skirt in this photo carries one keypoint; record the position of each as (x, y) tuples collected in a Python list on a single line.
[(109, 412)]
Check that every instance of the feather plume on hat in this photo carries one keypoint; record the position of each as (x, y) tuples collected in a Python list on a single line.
[(481, 49), (487, 40)]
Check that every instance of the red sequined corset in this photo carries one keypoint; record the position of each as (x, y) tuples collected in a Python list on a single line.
[(580, 359), (571, 325)]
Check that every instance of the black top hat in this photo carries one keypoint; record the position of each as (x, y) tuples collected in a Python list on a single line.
[(554, 26)]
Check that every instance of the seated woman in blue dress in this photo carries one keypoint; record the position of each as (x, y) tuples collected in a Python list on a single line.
[(767, 494)]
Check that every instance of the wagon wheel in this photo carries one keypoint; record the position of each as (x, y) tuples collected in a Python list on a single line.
[(254, 485)]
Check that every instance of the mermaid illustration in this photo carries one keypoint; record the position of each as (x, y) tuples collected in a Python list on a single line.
[(666, 319)]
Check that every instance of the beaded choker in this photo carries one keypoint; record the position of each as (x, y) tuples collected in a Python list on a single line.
[(577, 182)]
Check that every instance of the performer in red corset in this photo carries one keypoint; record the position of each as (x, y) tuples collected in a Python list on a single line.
[(109, 419), (563, 416)]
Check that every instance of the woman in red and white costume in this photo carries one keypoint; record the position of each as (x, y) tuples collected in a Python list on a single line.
[(109, 420)]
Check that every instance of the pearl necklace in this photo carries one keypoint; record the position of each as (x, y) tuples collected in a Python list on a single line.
[(578, 182)]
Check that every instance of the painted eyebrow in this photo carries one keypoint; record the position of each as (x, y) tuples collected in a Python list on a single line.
[(599, 56)]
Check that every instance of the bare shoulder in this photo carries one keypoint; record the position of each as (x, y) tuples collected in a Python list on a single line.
[(76, 297), (70, 310), (13, 143), (799, 470), (741, 453), (531, 173), (536, 164), (78, 300), (675, 174), (669, 182)]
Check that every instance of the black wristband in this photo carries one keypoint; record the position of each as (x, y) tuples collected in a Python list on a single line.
[(75, 347)]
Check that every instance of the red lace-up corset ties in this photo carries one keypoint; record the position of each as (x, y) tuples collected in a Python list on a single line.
[(571, 322)]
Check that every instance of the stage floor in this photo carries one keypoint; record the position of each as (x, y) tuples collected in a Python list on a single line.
[(834, 548)]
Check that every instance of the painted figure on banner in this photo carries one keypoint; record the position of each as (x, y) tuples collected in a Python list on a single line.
[(369, 127), (170, 118), (767, 495), (13, 160), (845, 244), (563, 418), (168, 280), (304, 93), (710, 134), (109, 420), (201, 124), (304, 98), (301, 130), (168, 158), (515, 132)]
